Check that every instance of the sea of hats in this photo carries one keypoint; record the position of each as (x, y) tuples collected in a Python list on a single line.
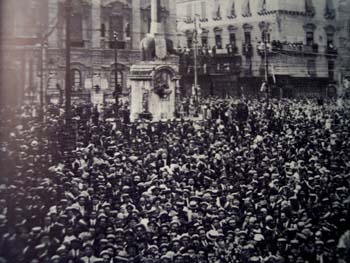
[(273, 188)]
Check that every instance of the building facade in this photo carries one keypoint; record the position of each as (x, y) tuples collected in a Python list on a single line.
[(22, 24), (94, 25), (303, 42)]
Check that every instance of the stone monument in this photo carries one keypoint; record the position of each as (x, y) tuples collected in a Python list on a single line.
[(153, 80)]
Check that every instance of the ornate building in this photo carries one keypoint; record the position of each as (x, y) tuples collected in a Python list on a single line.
[(93, 23), (21, 27), (303, 40)]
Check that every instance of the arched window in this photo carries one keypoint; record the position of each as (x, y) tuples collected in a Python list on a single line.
[(218, 38), (127, 30), (77, 30), (309, 31), (76, 79), (119, 79)]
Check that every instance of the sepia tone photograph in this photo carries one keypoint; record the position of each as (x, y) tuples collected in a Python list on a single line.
[(174, 131)]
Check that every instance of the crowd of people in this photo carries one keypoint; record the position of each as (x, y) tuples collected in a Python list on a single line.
[(251, 182)]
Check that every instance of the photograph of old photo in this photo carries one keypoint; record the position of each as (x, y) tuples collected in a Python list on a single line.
[(175, 131)]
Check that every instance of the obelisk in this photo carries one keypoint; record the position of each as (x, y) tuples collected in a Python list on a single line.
[(153, 80), (157, 30)]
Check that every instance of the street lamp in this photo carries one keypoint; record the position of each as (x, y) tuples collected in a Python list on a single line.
[(42, 49), (116, 89), (264, 49), (68, 8)]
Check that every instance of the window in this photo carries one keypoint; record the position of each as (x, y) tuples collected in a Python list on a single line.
[(127, 30), (119, 79), (247, 37), (103, 30), (233, 38), (330, 40), (218, 41), (204, 41), (311, 68), (189, 41), (76, 79), (116, 24), (76, 28), (331, 69), (265, 34), (309, 38)]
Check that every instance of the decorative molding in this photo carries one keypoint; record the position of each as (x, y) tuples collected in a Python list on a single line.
[(309, 27), (264, 25), (247, 27), (232, 28), (217, 30), (205, 32)]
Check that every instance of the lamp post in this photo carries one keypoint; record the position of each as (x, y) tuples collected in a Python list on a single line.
[(195, 42), (265, 49), (68, 73), (116, 89)]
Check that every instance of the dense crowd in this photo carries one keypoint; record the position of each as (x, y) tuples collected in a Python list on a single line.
[(249, 183)]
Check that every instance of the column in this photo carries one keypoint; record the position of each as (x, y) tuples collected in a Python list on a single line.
[(136, 25), (156, 25)]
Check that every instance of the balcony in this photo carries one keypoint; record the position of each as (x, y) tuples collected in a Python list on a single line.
[(297, 48), (211, 63), (247, 49)]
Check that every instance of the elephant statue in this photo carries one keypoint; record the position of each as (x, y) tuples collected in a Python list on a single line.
[(148, 48)]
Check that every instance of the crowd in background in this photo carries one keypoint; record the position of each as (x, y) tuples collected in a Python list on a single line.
[(251, 182)]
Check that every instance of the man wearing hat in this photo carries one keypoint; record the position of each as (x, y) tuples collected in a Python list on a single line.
[(89, 254)]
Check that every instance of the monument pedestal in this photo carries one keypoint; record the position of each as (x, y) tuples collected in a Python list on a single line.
[(153, 89)]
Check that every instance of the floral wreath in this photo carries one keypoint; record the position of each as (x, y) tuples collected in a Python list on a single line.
[(162, 90)]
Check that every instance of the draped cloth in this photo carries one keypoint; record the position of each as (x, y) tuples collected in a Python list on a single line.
[(246, 8)]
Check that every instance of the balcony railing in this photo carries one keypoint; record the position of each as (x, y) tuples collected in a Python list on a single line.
[(211, 63), (297, 48)]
